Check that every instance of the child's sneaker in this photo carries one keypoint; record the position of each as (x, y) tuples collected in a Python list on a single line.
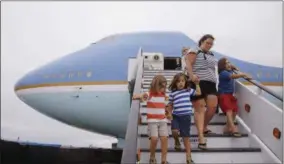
[(177, 144), (177, 147), (189, 160), (153, 161)]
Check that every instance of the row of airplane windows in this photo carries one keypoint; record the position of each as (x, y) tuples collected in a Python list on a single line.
[(268, 75), (89, 74), (70, 75)]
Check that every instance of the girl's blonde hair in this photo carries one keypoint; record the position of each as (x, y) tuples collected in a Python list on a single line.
[(157, 83)]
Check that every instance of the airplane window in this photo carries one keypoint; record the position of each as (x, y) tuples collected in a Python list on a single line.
[(89, 74), (71, 75)]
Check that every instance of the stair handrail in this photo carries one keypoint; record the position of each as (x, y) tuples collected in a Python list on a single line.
[(259, 85), (130, 147)]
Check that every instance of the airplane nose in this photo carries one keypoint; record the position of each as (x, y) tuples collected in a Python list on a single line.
[(20, 85)]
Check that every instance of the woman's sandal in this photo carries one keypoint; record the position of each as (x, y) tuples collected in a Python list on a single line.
[(202, 146), (208, 132), (236, 134)]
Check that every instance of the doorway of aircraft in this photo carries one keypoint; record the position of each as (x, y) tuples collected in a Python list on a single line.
[(172, 63)]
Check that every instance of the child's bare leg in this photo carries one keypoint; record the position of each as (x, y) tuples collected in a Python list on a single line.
[(176, 138), (153, 133), (164, 148), (187, 146), (163, 133), (232, 127), (234, 115), (153, 145), (175, 132), (230, 120), (234, 119), (226, 127), (185, 123)]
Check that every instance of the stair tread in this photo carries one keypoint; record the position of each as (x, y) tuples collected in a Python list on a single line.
[(205, 135), (234, 149), (211, 123), (144, 114)]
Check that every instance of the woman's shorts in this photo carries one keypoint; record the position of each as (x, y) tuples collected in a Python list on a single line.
[(228, 102), (206, 87)]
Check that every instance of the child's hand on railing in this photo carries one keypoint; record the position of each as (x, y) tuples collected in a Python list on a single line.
[(136, 97), (144, 97), (247, 76)]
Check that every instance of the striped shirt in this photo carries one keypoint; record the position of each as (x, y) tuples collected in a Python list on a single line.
[(156, 105), (205, 69), (181, 102)]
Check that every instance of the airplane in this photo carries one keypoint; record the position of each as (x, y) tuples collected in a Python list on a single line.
[(89, 88)]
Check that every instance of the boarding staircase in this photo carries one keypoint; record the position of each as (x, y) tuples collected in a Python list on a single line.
[(256, 145)]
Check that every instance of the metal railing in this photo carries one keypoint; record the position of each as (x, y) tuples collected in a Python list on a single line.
[(266, 89), (130, 148)]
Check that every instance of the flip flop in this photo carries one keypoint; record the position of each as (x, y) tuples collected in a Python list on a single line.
[(208, 132), (202, 146), (236, 134)]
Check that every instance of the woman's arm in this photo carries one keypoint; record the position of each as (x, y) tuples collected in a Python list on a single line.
[(189, 61), (198, 90)]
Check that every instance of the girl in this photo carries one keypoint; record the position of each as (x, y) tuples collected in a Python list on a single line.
[(156, 116), (228, 103), (182, 110)]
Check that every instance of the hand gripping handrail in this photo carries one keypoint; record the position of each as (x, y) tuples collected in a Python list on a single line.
[(259, 85)]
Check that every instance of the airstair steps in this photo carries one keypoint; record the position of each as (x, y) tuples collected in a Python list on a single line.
[(222, 148), (216, 128), (212, 155), (217, 141), (216, 118), (150, 77)]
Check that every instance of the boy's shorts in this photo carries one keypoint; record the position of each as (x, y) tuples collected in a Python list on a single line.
[(228, 102), (182, 123), (158, 129)]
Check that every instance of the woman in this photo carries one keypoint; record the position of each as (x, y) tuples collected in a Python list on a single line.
[(202, 64)]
